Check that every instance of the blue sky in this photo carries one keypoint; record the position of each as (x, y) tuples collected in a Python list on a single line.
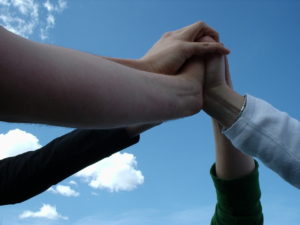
[(170, 165)]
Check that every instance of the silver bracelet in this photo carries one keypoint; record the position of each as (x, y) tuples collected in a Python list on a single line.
[(242, 109)]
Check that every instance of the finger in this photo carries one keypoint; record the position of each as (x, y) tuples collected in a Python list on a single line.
[(197, 30), (215, 65), (207, 39), (227, 73), (203, 48), (210, 33)]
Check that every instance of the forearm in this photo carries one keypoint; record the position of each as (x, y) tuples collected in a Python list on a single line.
[(140, 65), (53, 85), (271, 135), (223, 104), (34, 172), (230, 162)]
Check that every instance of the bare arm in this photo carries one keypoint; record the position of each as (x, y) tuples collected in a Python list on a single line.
[(230, 162), (48, 84), (235, 174), (261, 130), (53, 85)]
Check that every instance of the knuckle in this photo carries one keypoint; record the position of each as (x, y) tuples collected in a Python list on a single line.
[(201, 24), (167, 34)]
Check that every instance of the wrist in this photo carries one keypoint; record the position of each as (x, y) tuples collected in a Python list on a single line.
[(223, 104)]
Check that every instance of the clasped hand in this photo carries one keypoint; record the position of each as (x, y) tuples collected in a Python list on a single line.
[(193, 57)]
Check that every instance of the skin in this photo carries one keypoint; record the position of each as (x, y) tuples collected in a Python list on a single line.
[(221, 102), (230, 162), (48, 84)]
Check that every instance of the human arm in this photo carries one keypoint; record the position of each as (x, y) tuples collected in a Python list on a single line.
[(238, 200), (264, 132), (235, 177), (260, 130), (48, 84), (235, 174), (33, 172), (162, 50)]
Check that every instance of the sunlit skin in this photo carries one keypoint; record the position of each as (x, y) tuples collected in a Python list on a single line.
[(53, 85)]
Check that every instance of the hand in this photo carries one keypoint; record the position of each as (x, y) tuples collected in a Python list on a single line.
[(216, 69), (220, 101), (190, 81), (169, 54)]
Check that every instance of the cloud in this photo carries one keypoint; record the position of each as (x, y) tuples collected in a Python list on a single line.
[(50, 20), (46, 212), (115, 173), (73, 182), (59, 7), (63, 190), (24, 17), (17, 141)]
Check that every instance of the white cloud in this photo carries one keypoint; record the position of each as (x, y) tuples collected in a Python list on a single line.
[(48, 6), (50, 21), (115, 173), (59, 7), (24, 17), (16, 141), (64, 191), (72, 182), (46, 212), (4, 2), (25, 7)]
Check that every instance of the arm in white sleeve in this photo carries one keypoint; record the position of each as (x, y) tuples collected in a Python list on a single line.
[(270, 135)]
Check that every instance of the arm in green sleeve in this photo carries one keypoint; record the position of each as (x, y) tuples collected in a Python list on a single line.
[(238, 200)]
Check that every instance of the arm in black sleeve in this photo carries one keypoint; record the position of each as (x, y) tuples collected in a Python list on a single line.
[(31, 173)]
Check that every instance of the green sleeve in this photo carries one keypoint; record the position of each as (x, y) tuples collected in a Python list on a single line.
[(238, 200)]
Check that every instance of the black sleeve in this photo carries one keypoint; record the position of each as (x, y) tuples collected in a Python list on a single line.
[(31, 173)]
